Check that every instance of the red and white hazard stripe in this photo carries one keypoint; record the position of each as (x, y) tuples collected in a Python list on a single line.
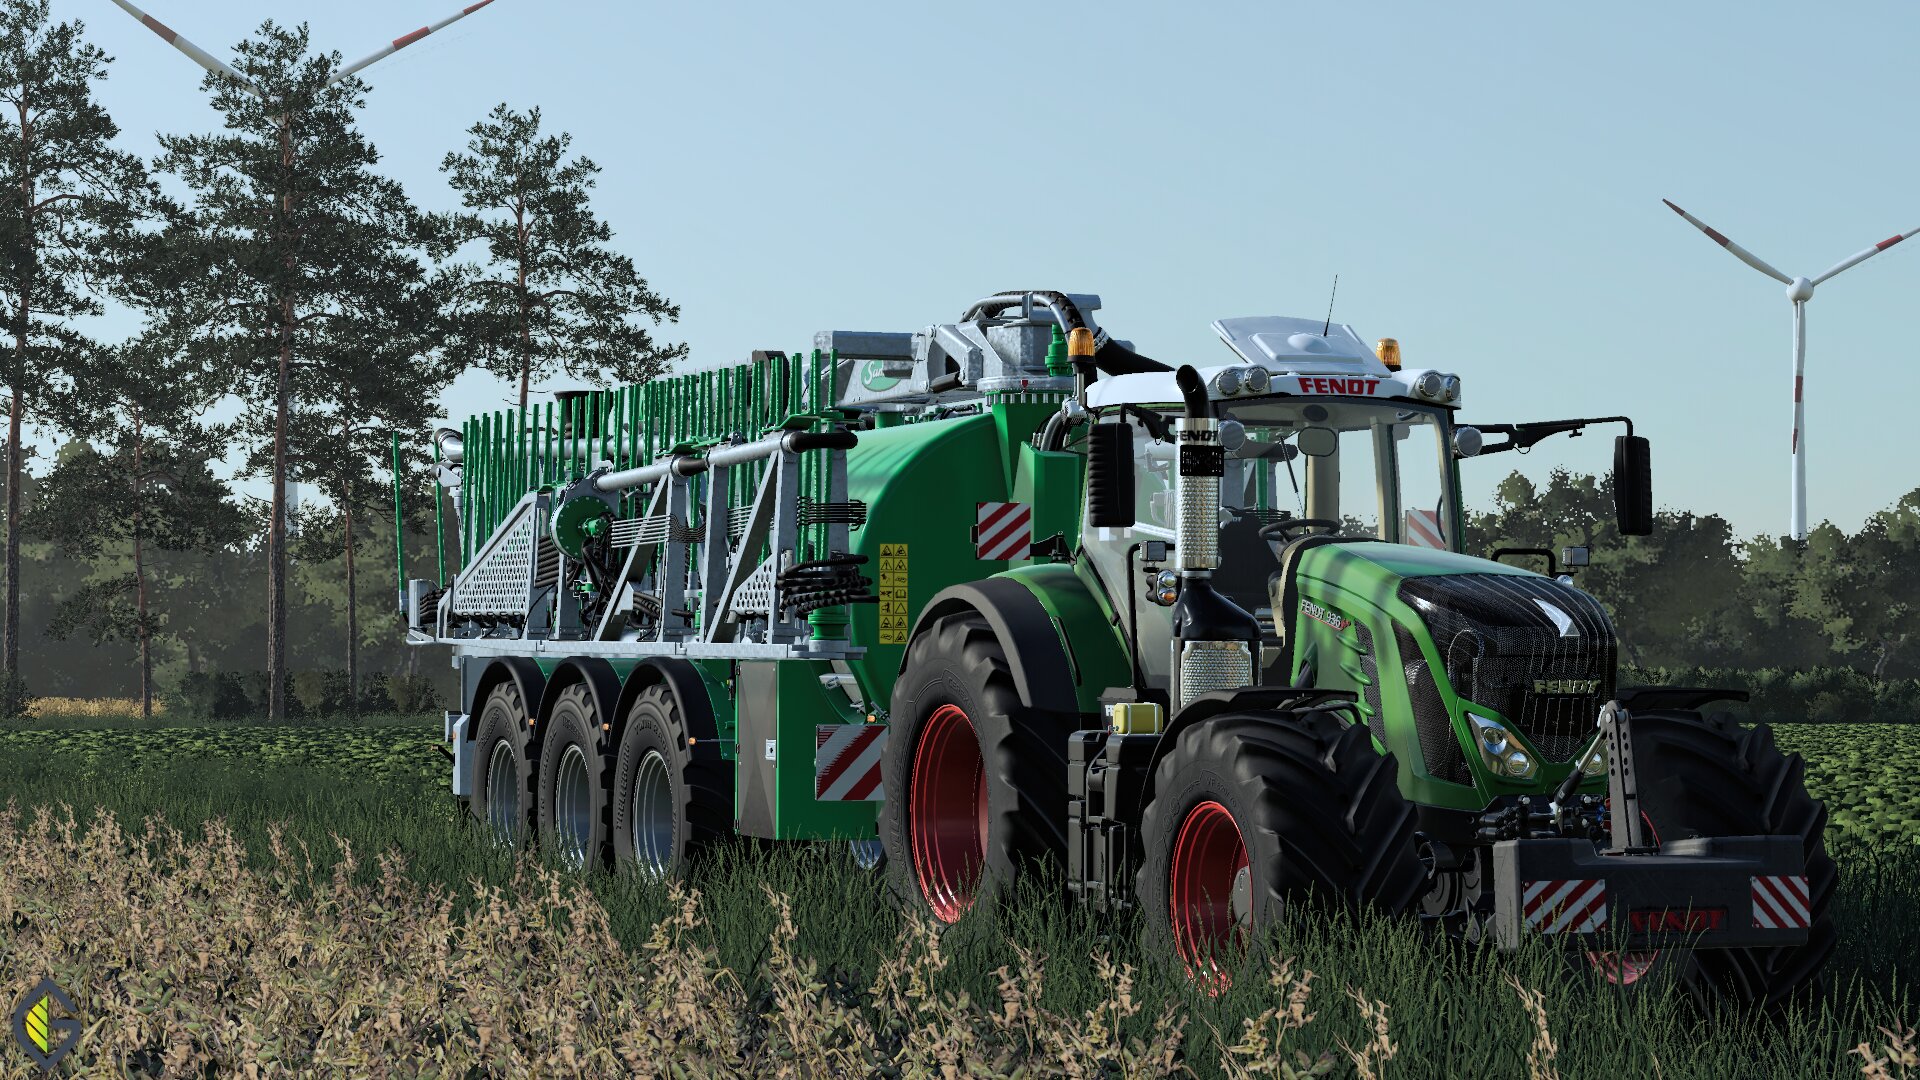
[(1566, 905), (1423, 529), (1002, 530), (1781, 903), (846, 762)]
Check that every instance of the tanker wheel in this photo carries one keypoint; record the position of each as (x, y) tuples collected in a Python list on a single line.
[(1712, 776), (671, 801), (981, 780), (1253, 811), (501, 789), (573, 812)]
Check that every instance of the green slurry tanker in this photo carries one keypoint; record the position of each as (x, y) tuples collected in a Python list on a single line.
[(1003, 594)]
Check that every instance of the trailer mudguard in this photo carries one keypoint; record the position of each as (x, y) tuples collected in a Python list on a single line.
[(603, 686), (524, 673), (1026, 631), (691, 693)]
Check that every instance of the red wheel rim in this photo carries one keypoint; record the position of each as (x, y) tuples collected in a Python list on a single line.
[(948, 805), (1208, 857), (1627, 968)]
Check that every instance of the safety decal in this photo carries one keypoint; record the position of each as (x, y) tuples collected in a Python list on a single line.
[(1002, 530), (1423, 529), (893, 594), (1566, 905), (1780, 903), (846, 762)]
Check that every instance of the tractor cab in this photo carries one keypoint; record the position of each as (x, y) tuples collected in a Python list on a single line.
[(1317, 436)]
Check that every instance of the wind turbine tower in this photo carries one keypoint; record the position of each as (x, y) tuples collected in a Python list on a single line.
[(1799, 290)]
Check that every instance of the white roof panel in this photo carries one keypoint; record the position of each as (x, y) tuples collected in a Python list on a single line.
[(1282, 344)]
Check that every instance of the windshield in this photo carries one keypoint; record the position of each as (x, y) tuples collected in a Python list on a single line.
[(1379, 468)]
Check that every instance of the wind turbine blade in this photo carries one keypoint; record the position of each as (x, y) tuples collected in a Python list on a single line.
[(1862, 256), (1739, 252), (405, 40), (194, 52)]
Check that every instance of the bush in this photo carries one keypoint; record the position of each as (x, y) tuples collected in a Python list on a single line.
[(1815, 695), (16, 701), (208, 695), (234, 695)]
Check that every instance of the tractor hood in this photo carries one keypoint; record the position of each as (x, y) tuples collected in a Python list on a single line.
[(1406, 561), (1534, 652)]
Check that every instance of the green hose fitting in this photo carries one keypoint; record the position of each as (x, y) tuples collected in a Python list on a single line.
[(1057, 363)]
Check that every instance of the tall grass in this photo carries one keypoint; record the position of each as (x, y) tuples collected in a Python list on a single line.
[(235, 925)]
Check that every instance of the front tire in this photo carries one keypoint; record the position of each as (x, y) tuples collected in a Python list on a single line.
[(1255, 811), (976, 781), (1711, 776)]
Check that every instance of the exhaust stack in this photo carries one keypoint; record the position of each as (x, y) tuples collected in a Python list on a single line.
[(1216, 642)]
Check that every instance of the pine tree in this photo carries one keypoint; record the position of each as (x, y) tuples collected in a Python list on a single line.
[(390, 381), (65, 194), (294, 241), (545, 295), (137, 475)]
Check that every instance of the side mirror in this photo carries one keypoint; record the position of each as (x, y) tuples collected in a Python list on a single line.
[(1632, 486), (1317, 441), (1574, 556), (1110, 491)]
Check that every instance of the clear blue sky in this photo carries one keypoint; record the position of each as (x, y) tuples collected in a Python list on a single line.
[(1485, 179)]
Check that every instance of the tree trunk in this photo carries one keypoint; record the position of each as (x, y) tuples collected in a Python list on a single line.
[(16, 408), (277, 529), (526, 316), (138, 483), (353, 614), (10, 635)]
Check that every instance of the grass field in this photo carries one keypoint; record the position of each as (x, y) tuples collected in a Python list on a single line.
[(242, 931)]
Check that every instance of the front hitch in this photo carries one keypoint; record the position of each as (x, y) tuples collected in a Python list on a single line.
[(1705, 892)]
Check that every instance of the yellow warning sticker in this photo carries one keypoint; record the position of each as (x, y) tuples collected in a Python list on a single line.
[(893, 594)]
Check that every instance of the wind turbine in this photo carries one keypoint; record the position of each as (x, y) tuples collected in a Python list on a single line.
[(211, 63), (1799, 290)]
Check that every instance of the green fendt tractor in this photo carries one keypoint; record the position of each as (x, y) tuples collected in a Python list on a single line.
[(1004, 593)]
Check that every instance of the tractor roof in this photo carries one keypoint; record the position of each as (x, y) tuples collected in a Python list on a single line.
[(1299, 358)]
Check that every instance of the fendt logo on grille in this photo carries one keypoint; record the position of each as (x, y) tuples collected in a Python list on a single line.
[(1566, 686)]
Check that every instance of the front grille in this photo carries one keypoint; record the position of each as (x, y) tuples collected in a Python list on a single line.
[(1370, 671), (1439, 746), (1498, 644)]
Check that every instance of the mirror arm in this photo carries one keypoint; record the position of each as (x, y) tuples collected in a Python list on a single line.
[(1523, 436)]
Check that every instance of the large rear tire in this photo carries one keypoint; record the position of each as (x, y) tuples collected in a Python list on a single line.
[(501, 789), (671, 801), (1712, 776), (1255, 811), (976, 782)]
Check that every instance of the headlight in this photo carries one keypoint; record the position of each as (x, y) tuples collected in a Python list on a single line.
[(1429, 385), (1499, 750), (1450, 386), (1258, 380), (1228, 381)]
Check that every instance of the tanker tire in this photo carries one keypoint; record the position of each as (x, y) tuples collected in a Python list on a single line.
[(1018, 753), (501, 791), (1318, 815), (575, 812), (1712, 776), (680, 797)]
